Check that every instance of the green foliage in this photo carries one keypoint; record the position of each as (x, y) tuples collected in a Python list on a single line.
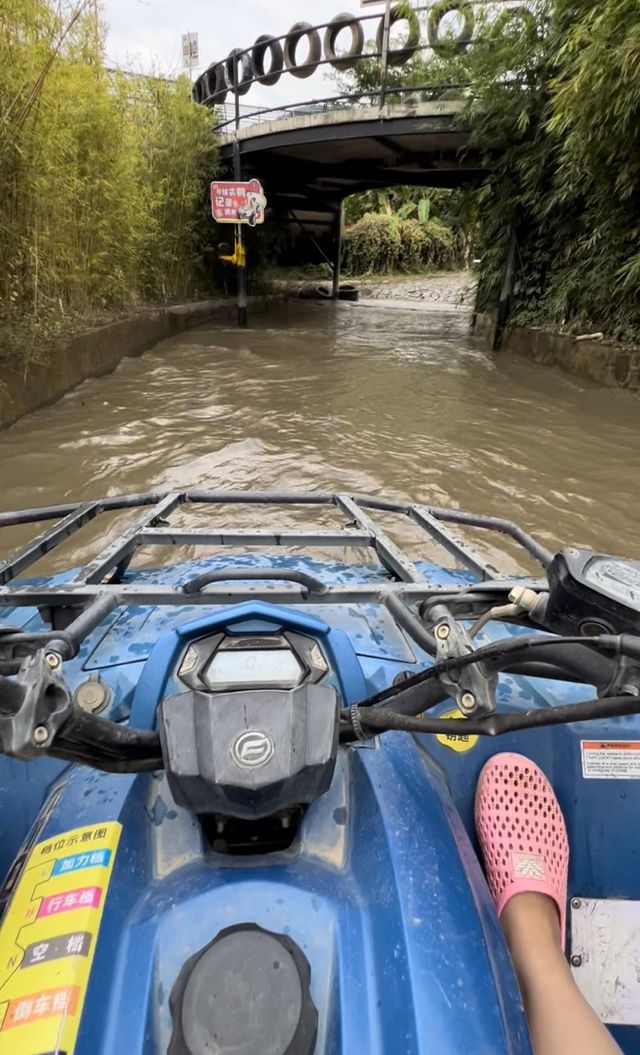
[(452, 210), (384, 244), (102, 176), (373, 244), (568, 181), (437, 237), (424, 209)]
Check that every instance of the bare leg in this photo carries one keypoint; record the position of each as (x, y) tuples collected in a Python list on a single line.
[(560, 1019)]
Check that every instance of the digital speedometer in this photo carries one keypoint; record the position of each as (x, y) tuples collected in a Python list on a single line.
[(242, 668), (230, 662)]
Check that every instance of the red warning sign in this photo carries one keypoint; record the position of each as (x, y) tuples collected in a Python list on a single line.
[(238, 202)]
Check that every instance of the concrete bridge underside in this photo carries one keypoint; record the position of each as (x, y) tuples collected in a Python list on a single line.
[(310, 162)]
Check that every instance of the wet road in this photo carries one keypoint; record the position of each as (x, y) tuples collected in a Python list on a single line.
[(385, 398)]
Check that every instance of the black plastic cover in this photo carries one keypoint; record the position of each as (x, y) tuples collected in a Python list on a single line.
[(246, 993), (249, 754), (593, 593)]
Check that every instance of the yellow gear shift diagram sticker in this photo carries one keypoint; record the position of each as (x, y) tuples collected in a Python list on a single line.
[(48, 938), (459, 742)]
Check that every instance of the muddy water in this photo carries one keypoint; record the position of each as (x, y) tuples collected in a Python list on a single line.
[(383, 398)]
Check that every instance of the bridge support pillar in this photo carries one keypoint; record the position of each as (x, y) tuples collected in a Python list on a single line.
[(337, 252)]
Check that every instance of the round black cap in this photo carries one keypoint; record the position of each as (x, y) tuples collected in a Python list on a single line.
[(245, 992)]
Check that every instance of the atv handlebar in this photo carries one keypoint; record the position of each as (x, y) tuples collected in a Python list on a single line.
[(38, 714)]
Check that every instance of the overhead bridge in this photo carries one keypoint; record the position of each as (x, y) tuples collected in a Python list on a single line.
[(406, 127), (309, 162)]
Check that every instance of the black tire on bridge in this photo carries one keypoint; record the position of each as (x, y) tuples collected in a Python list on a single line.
[(245, 71), (213, 88), (264, 44), (292, 39), (353, 53), (197, 92), (400, 13), (436, 15)]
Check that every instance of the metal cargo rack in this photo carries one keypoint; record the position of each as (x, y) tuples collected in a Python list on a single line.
[(76, 607)]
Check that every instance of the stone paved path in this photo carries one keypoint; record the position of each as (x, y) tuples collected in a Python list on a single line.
[(451, 288)]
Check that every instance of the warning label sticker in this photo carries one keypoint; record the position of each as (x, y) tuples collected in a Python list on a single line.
[(610, 759), (48, 938)]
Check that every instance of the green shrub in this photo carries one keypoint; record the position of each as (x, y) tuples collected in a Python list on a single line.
[(384, 244), (443, 246), (373, 245), (413, 246)]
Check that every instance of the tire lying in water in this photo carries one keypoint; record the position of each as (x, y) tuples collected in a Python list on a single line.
[(314, 293), (348, 291)]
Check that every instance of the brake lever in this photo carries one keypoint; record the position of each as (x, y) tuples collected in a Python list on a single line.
[(473, 687)]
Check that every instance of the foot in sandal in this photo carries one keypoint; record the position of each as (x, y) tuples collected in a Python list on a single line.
[(526, 855), (522, 833)]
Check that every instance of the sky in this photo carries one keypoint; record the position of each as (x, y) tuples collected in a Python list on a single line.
[(146, 35)]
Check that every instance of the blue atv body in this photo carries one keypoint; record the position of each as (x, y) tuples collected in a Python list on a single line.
[(373, 892)]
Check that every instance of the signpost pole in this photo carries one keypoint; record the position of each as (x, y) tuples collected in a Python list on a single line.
[(337, 253), (237, 175)]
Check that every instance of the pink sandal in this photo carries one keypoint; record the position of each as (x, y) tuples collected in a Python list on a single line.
[(522, 832)]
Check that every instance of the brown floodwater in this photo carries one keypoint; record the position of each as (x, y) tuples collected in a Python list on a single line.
[(381, 397)]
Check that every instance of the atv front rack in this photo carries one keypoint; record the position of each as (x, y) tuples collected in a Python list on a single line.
[(74, 608), (76, 604)]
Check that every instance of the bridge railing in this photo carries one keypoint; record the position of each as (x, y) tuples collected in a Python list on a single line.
[(250, 115), (446, 27)]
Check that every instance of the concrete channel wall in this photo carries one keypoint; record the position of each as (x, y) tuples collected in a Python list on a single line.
[(98, 352), (608, 363)]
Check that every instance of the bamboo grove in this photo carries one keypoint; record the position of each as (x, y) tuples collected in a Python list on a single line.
[(102, 178)]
